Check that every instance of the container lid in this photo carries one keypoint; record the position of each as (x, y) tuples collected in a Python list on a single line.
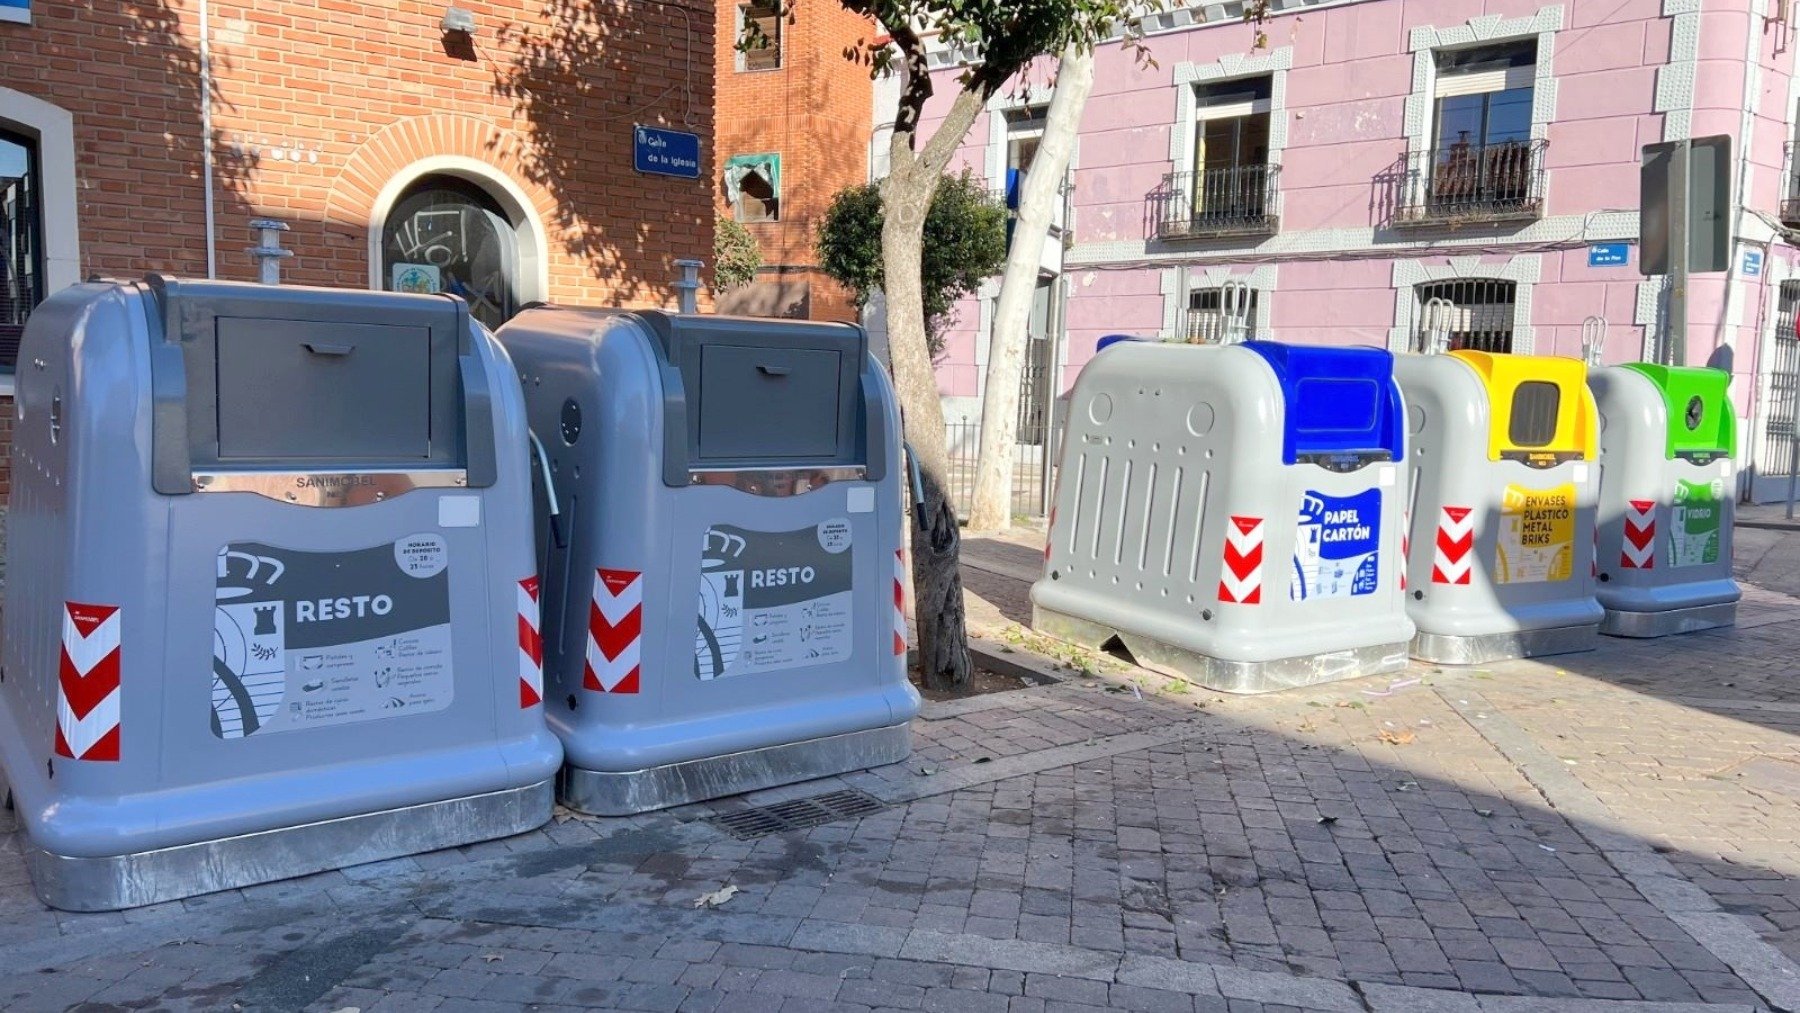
[(1339, 401), (1541, 410), (1702, 423), (1114, 339)]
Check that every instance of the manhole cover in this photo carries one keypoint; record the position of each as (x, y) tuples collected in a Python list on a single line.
[(797, 814)]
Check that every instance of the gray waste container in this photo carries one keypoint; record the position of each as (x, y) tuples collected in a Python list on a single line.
[(1233, 513), (720, 575), (1501, 561), (268, 549), (1667, 439)]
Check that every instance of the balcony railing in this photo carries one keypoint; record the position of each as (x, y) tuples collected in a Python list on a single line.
[(1233, 201), (1473, 183), (1790, 210)]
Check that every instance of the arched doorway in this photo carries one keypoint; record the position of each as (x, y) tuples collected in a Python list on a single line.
[(445, 233)]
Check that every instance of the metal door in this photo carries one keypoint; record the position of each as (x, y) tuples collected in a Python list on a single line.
[(1777, 450)]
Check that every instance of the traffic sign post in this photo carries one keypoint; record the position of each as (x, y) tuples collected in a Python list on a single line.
[(1684, 223)]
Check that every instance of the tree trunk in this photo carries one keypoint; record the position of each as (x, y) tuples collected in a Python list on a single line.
[(1038, 196), (906, 196), (937, 581)]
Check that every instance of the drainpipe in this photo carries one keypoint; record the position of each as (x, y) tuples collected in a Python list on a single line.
[(1734, 279), (206, 133)]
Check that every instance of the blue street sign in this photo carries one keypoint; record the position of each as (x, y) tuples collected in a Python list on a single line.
[(665, 152), (15, 10), (1609, 254), (1752, 263)]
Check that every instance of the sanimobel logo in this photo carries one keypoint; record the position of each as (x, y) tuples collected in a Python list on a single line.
[(333, 481), (354, 607)]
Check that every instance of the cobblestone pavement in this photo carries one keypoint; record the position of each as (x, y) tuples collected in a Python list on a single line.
[(1606, 832)]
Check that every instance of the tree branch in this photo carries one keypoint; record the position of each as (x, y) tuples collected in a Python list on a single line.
[(915, 90), (950, 133)]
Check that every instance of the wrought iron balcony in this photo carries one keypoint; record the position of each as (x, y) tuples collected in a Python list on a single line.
[(1790, 209), (1467, 183), (1233, 201)]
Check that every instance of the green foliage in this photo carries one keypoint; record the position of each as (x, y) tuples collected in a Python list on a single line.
[(735, 255), (1004, 36), (965, 243)]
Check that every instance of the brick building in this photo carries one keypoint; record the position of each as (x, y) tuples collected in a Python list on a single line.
[(495, 163), (794, 124)]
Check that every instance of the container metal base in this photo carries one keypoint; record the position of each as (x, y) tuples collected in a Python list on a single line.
[(151, 877), (1229, 676), (609, 793), (1444, 649), (1620, 623)]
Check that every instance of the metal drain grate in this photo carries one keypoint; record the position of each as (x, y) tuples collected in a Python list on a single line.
[(797, 814)]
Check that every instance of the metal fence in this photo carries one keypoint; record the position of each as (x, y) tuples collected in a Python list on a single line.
[(1031, 467), (1779, 451), (1473, 182)]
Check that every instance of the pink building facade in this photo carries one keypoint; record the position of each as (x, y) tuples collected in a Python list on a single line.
[(1400, 173)]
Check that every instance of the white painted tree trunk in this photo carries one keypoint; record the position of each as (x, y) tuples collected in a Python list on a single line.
[(1039, 193)]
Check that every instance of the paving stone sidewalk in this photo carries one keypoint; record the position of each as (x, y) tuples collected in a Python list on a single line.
[(1609, 832)]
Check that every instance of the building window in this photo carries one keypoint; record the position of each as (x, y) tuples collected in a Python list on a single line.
[(446, 234), (1229, 188), (1024, 133), (1482, 161), (1472, 313), (21, 241), (753, 187), (759, 35), (1222, 315)]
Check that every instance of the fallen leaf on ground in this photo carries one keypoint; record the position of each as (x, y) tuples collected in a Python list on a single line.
[(1484, 812), (492, 957), (1328, 820), (717, 897), (1399, 738)]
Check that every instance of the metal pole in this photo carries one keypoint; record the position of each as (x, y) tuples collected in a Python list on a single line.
[(268, 252), (1052, 390), (1674, 350), (687, 286), (1793, 468)]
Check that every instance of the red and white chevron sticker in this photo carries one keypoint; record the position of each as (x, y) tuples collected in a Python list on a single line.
[(1453, 557), (899, 601), (87, 683), (1241, 580), (1637, 551), (531, 646), (1405, 545), (615, 629)]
